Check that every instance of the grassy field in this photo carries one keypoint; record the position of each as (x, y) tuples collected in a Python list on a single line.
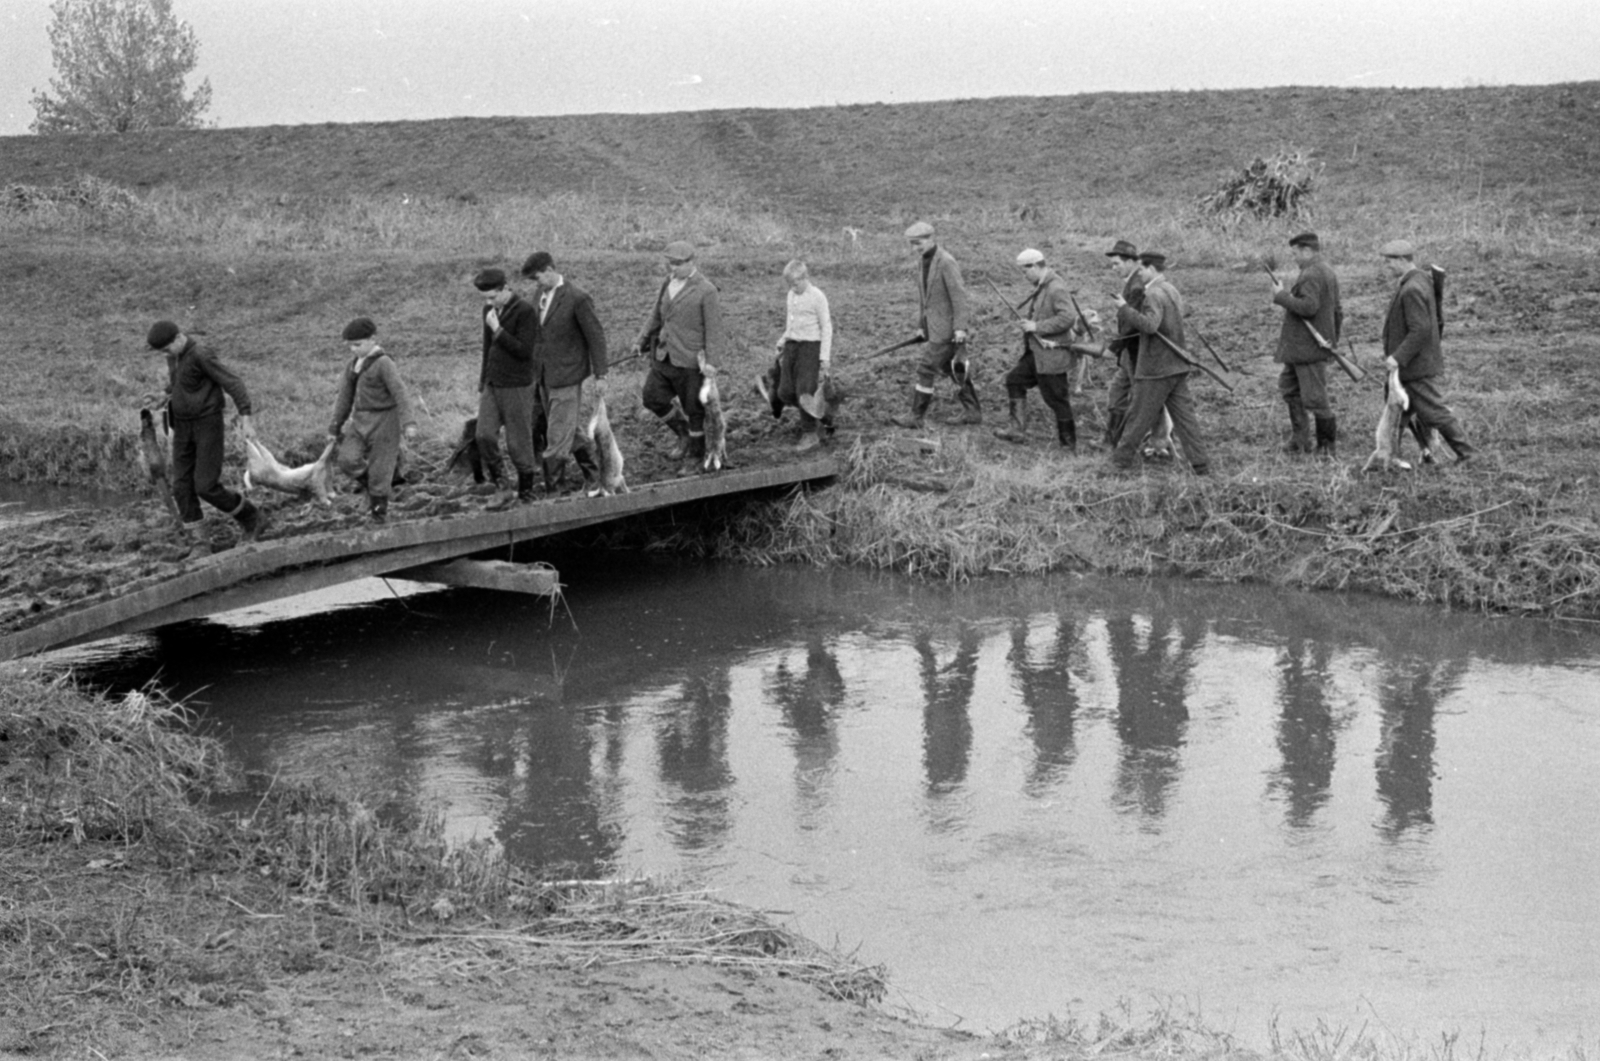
[(268, 240)]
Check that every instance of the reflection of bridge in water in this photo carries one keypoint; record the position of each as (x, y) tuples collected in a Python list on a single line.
[(423, 551)]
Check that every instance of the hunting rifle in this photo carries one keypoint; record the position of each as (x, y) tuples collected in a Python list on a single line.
[(913, 341), (1351, 369), (1187, 356), (1081, 348)]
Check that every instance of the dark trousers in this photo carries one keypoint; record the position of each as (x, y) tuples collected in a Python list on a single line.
[(370, 450), (1054, 387), (942, 359), (799, 372), (197, 467), (667, 381), (1429, 409), (514, 407), (1150, 396), (1308, 385)]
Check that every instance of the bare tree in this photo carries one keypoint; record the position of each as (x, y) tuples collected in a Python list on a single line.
[(121, 66)]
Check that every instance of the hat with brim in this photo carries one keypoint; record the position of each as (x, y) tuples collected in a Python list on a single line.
[(1029, 256), (1306, 239), (1122, 249), (1398, 248), (919, 230), (1154, 259), (679, 250)]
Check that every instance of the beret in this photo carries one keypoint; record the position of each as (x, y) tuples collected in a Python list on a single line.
[(920, 230), (1306, 239), (1398, 248), (679, 250), (161, 333), (360, 328), (537, 262), (1154, 259), (489, 279), (1030, 257), (1122, 249)]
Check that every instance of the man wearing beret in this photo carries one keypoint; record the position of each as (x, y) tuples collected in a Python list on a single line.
[(571, 348), (505, 380), (196, 383), (685, 326), (1052, 324), (1411, 344), (942, 307), (375, 401), (1161, 374), (1311, 308)]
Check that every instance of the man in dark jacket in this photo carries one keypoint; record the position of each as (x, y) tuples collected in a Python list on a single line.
[(196, 383), (1312, 303), (1411, 343), (571, 348), (505, 379), (943, 309), (1051, 324), (1160, 374)]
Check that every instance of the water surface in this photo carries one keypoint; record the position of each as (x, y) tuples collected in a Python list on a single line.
[(1025, 797)]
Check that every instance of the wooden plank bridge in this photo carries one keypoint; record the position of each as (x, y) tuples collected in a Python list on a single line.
[(424, 550)]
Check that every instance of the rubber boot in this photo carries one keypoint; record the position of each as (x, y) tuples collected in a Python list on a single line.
[(680, 445), (971, 411), (1067, 435), (378, 509), (586, 464), (250, 521), (696, 451), (1327, 437), (1299, 428), (1016, 429), (1114, 422), (920, 400)]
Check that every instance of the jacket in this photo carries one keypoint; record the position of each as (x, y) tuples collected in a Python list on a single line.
[(688, 324), (377, 388), (1162, 314), (196, 382), (1315, 298), (508, 354), (942, 307), (1057, 320), (1411, 328), (571, 345)]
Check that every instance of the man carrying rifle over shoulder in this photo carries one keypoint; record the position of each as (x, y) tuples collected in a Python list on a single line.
[(1411, 344), (1161, 373), (943, 307), (1312, 320), (1046, 360)]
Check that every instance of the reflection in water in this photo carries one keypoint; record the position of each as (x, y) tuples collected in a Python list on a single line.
[(1093, 774), (1306, 729), (1050, 697), (1152, 675)]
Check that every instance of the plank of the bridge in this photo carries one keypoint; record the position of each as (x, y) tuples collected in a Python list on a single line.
[(457, 535)]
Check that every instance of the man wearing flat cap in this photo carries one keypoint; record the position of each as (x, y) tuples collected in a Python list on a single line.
[(1312, 320), (571, 349), (379, 410), (1046, 360), (1411, 344), (942, 308), (1161, 374), (684, 331), (505, 381), (196, 384)]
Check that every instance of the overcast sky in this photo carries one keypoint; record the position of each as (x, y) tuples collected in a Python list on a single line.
[(297, 61)]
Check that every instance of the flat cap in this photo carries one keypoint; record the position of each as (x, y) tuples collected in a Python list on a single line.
[(358, 329), (161, 333), (919, 230), (1398, 248), (1154, 259), (1122, 249), (679, 250), (1306, 239), (537, 262), (1029, 256), (489, 279)]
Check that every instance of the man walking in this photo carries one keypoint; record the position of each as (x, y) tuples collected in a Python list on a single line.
[(505, 380), (376, 403), (685, 327), (571, 348), (1411, 344), (196, 383), (942, 307), (1311, 309), (1161, 374), (1046, 361)]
